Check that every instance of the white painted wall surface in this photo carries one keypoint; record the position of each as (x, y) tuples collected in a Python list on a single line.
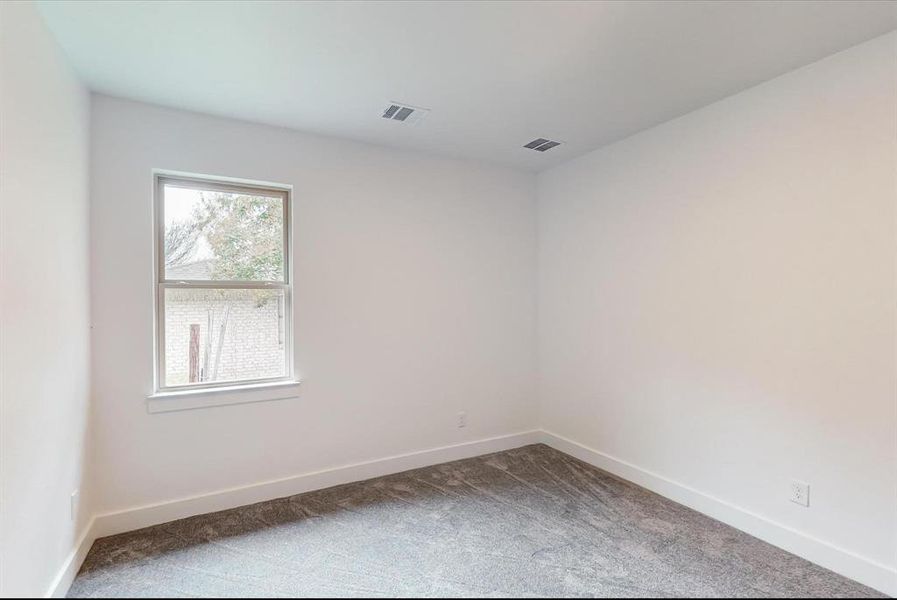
[(414, 299), (44, 309), (717, 299)]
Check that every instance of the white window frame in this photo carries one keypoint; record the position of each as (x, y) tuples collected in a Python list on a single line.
[(244, 390)]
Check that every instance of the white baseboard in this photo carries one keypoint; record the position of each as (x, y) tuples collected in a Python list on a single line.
[(63, 580), (154, 514), (849, 564)]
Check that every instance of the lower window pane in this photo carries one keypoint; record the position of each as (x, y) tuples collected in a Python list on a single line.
[(223, 335)]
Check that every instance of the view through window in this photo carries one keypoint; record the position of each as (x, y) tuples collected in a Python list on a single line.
[(223, 283)]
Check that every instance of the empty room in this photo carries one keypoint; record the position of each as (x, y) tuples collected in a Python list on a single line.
[(448, 298)]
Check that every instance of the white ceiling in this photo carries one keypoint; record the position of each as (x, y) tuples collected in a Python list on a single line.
[(495, 74)]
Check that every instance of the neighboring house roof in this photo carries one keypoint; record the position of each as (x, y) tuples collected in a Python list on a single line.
[(200, 269)]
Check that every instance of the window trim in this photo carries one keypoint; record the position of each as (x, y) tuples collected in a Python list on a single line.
[(161, 283), (162, 402)]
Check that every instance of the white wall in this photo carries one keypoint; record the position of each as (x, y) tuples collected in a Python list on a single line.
[(717, 299), (414, 299), (44, 335)]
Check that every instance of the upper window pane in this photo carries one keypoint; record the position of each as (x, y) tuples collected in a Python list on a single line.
[(222, 235)]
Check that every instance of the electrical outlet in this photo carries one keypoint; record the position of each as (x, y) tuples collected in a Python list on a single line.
[(462, 419), (800, 493), (73, 505)]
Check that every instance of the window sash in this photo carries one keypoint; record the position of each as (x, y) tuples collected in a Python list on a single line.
[(161, 283), (223, 284)]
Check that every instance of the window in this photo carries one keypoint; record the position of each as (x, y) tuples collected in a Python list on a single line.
[(222, 284)]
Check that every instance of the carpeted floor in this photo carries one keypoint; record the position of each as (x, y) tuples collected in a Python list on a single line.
[(527, 522)]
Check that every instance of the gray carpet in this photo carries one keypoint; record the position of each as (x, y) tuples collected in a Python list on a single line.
[(527, 522)]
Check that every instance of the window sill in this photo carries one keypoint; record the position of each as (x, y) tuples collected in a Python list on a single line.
[(223, 396)]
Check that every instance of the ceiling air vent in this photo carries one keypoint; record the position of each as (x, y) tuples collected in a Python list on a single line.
[(541, 145), (404, 113)]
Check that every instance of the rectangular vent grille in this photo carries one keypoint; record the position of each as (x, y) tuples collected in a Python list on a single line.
[(404, 113), (541, 145)]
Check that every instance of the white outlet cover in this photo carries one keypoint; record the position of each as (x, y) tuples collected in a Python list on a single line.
[(800, 493)]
